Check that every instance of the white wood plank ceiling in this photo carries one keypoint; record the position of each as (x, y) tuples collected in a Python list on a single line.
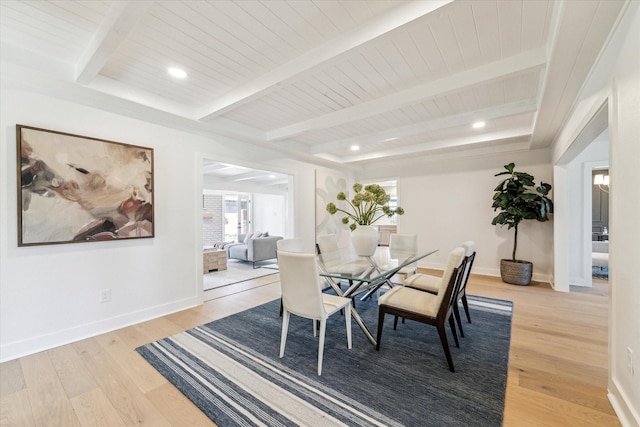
[(313, 78)]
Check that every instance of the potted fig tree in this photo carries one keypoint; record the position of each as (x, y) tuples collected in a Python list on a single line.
[(517, 198)]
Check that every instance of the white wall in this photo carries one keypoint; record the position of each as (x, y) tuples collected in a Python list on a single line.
[(616, 79), (624, 225), (449, 202), (304, 212), (269, 211), (49, 295)]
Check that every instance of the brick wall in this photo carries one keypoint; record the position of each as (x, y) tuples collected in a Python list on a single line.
[(212, 219)]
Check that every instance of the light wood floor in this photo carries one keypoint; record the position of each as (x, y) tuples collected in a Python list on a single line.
[(557, 365)]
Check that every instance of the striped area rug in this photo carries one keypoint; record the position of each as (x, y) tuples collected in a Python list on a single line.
[(230, 369)]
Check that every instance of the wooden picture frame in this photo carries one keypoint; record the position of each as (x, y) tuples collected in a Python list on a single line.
[(74, 188)]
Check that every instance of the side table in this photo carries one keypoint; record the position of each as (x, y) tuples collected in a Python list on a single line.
[(214, 259)]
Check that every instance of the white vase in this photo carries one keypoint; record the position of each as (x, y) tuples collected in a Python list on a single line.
[(364, 240)]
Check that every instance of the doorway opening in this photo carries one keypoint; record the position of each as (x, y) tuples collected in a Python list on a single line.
[(387, 226), (237, 215), (581, 224), (239, 204)]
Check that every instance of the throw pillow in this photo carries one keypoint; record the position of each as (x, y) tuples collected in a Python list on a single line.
[(247, 237)]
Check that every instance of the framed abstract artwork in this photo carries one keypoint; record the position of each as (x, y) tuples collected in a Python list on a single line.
[(74, 188)]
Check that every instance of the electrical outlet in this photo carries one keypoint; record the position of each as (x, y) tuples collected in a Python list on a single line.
[(105, 295), (630, 360)]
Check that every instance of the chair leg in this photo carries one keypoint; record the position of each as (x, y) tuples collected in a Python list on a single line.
[(456, 313), (348, 321), (452, 323), (395, 322), (285, 328), (466, 307), (353, 298), (381, 314), (323, 328), (445, 345)]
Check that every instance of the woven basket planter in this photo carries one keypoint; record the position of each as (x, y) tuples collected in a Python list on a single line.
[(516, 272)]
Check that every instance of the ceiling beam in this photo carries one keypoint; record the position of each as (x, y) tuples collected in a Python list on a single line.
[(571, 60), (424, 148), (408, 165), (29, 59), (320, 55), (211, 167), (249, 175), (499, 69), (276, 182), (118, 23), (120, 90), (464, 119)]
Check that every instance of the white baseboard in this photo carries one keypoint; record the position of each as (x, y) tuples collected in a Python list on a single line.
[(16, 349), (622, 406), (492, 272)]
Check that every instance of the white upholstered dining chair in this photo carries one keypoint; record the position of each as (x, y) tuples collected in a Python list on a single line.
[(434, 284), (290, 245), (404, 243), (333, 259), (302, 296)]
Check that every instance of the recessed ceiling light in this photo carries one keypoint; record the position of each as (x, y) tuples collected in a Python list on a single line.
[(178, 73), (478, 125), (355, 147), (272, 176)]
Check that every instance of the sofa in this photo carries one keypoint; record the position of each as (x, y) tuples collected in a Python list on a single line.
[(253, 249), (600, 254)]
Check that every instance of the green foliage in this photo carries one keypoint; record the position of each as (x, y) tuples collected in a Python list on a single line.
[(517, 198), (367, 206)]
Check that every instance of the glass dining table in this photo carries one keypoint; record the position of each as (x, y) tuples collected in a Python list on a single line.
[(365, 275)]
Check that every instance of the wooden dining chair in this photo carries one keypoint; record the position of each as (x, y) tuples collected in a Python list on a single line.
[(433, 284), (470, 248), (424, 307), (302, 296)]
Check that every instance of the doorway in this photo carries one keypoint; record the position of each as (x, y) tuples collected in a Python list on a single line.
[(574, 193), (387, 225), (237, 215), (239, 200)]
